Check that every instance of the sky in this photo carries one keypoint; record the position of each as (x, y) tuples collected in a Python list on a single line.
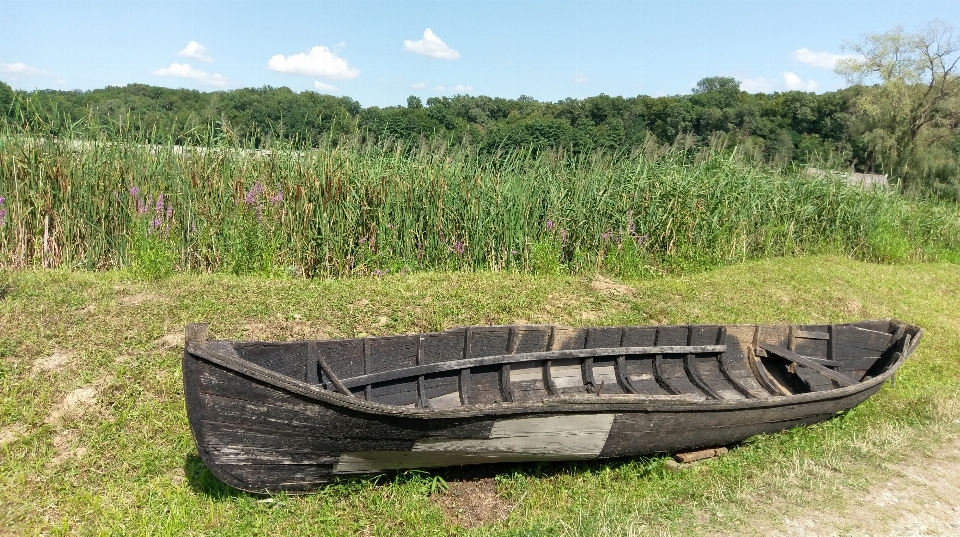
[(380, 52)]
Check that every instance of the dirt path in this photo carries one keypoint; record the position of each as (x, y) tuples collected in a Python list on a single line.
[(920, 497)]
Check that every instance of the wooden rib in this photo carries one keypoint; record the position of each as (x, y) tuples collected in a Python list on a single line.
[(422, 400), (620, 368), (586, 367), (796, 358), (737, 385), (658, 368), (505, 392), (690, 368), (759, 371), (366, 368), (312, 376), (312, 351), (548, 383), (427, 369), (464, 387), (466, 343)]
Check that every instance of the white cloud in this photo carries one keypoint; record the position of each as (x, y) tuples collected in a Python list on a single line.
[(320, 61), (823, 60), (579, 78), (419, 85), (432, 46), (195, 51), (794, 82), (21, 69), (459, 88), (184, 70), (756, 85), (324, 87)]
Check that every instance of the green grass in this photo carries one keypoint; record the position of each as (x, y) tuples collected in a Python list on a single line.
[(368, 210), (125, 463)]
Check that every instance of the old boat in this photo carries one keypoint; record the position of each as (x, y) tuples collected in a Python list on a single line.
[(293, 416)]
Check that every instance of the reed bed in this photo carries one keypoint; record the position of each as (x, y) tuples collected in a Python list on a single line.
[(352, 209)]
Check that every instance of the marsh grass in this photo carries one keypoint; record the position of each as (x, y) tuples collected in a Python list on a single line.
[(349, 208), (124, 462)]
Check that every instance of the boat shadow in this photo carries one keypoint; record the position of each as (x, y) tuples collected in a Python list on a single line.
[(202, 481)]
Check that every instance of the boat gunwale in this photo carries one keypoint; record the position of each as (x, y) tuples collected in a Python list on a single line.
[(227, 357)]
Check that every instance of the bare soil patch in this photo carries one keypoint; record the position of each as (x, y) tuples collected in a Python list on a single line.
[(75, 405), (139, 298), (919, 497), (11, 433), (65, 445), (172, 340), (610, 287), (54, 362), (474, 503)]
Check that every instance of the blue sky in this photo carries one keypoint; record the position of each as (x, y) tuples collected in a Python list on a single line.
[(379, 52)]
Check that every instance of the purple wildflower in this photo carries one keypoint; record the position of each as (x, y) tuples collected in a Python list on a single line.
[(550, 225), (134, 191), (254, 194)]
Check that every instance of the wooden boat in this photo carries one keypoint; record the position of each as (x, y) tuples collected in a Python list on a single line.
[(293, 416)]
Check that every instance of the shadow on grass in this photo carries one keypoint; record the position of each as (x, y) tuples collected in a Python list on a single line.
[(202, 480)]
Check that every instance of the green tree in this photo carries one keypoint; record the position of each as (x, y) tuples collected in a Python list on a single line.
[(909, 118)]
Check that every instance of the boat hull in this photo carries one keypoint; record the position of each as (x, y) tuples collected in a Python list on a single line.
[(261, 432)]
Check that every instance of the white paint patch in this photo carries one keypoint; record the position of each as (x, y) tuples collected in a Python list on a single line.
[(567, 373), (524, 439), (606, 374), (448, 400)]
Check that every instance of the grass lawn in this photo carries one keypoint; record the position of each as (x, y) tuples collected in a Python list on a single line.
[(94, 437)]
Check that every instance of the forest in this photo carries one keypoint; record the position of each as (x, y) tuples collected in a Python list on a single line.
[(899, 115)]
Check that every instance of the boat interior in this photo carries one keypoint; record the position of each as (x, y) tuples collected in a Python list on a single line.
[(495, 364)]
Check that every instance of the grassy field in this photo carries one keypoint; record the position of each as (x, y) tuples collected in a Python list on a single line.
[(94, 437), (367, 210)]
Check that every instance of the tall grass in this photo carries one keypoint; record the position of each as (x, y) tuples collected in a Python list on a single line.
[(348, 208)]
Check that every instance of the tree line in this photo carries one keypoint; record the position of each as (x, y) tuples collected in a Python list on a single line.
[(901, 115)]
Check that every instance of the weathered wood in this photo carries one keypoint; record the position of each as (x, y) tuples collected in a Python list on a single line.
[(198, 332), (527, 357), (505, 392), (794, 357), (737, 385), (266, 417), (315, 358)]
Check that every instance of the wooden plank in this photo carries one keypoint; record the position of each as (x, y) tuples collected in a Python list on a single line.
[(528, 357), (658, 373), (808, 334), (314, 357), (366, 368), (198, 332), (548, 379), (794, 357), (737, 385), (695, 378), (854, 336), (465, 387), (505, 393)]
